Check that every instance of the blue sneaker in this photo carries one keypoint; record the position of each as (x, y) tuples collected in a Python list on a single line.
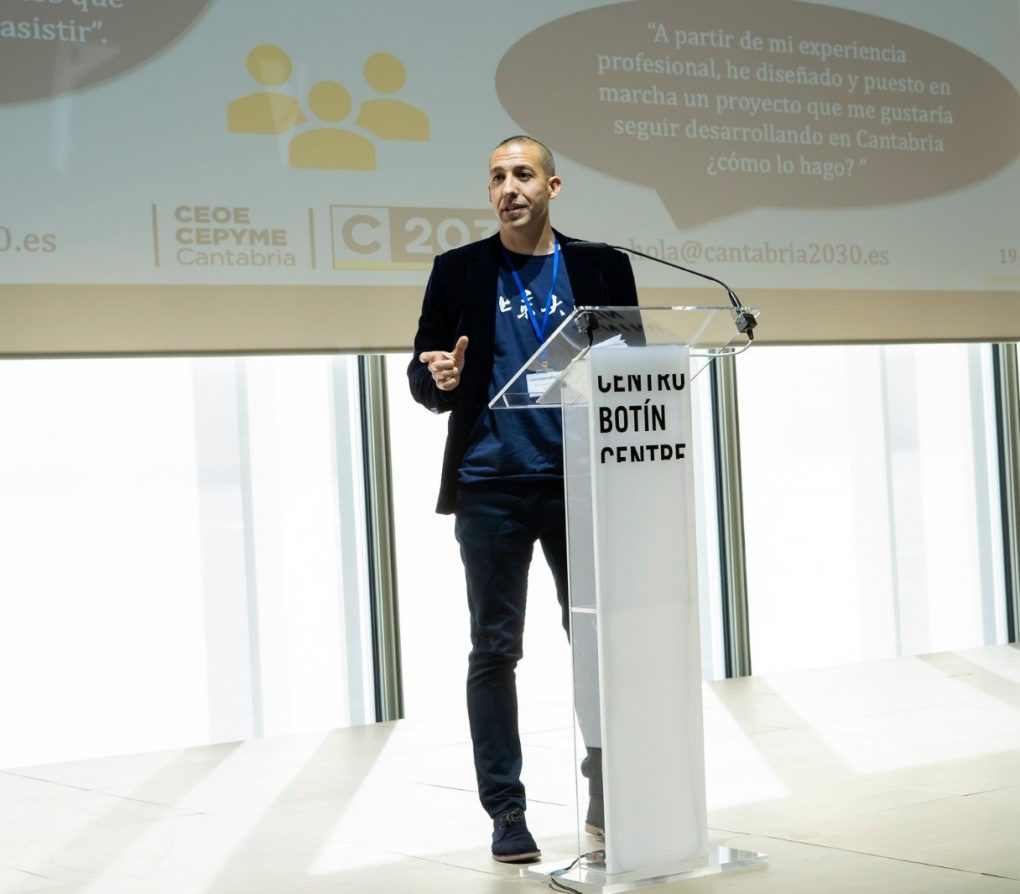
[(595, 821), (511, 840)]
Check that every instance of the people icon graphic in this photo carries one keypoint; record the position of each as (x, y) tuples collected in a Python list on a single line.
[(327, 147), (266, 112), (331, 147), (390, 119)]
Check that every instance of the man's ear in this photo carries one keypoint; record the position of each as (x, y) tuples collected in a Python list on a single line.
[(554, 186)]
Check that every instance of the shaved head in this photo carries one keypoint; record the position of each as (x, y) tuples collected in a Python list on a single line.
[(545, 156)]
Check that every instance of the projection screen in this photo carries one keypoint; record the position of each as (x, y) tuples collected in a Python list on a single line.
[(223, 176)]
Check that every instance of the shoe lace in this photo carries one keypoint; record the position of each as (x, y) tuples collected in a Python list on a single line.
[(514, 816)]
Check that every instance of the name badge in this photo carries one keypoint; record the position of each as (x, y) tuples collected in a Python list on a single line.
[(540, 382)]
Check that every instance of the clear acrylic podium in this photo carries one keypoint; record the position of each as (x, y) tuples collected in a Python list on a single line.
[(622, 376)]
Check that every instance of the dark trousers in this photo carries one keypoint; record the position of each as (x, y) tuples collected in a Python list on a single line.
[(497, 527)]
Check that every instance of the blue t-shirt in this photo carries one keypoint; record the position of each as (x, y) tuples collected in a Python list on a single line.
[(520, 444)]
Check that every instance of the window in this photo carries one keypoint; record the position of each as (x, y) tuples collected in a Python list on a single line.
[(870, 502), (181, 553)]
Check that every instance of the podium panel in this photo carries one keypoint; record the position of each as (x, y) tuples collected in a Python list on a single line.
[(646, 606), (624, 389)]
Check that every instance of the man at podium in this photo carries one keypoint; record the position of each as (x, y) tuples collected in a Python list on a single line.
[(487, 307)]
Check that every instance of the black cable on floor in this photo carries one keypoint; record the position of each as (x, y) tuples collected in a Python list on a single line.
[(554, 877)]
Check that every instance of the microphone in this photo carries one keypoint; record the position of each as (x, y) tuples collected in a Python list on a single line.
[(744, 318), (586, 323)]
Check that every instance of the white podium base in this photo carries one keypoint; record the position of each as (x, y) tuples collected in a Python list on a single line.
[(589, 875)]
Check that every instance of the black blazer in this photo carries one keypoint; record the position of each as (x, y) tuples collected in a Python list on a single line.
[(460, 299)]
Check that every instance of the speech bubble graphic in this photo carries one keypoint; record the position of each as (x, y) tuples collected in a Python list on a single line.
[(725, 105), (52, 47)]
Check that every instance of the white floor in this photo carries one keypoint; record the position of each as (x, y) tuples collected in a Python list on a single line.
[(898, 776)]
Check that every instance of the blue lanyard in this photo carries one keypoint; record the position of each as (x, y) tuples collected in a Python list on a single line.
[(539, 330)]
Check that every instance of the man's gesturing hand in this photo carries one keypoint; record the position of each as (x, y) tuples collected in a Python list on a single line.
[(446, 366)]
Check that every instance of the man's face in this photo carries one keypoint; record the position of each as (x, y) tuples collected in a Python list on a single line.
[(519, 190)]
